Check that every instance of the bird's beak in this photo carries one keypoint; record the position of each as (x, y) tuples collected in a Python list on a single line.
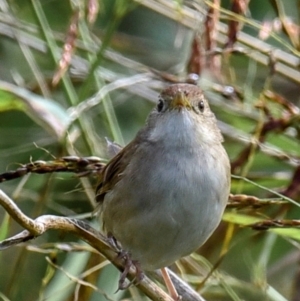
[(180, 101)]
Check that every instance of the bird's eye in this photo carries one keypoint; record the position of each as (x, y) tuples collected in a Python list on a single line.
[(160, 105), (201, 105)]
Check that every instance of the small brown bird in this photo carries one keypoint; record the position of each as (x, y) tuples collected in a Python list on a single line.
[(164, 194)]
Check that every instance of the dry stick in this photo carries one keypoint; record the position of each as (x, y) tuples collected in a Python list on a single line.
[(40, 225), (240, 201), (82, 166), (275, 224)]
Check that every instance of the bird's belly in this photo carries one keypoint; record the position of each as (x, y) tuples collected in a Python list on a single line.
[(169, 237), (169, 217)]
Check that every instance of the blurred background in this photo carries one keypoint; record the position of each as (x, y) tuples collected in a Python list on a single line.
[(73, 73)]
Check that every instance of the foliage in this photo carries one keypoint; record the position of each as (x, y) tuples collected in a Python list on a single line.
[(73, 73)]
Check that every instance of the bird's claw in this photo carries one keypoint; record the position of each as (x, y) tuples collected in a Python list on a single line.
[(128, 264)]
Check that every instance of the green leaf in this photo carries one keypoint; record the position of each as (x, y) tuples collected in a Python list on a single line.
[(47, 113)]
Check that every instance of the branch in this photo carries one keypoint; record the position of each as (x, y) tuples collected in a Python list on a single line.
[(84, 231), (275, 224), (241, 201), (82, 166)]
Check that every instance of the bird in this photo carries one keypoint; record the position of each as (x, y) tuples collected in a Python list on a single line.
[(162, 196)]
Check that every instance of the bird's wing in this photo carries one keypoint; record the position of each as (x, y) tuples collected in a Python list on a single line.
[(110, 175)]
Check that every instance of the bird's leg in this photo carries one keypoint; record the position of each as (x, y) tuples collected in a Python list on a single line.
[(113, 242), (139, 274), (170, 286), (128, 264)]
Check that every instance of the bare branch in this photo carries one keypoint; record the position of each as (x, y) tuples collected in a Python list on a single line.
[(81, 166), (276, 223), (240, 201)]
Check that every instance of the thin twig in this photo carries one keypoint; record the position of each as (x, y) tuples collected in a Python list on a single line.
[(275, 224), (82, 166)]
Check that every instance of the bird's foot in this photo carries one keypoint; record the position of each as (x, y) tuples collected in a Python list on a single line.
[(122, 254), (128, 264)]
